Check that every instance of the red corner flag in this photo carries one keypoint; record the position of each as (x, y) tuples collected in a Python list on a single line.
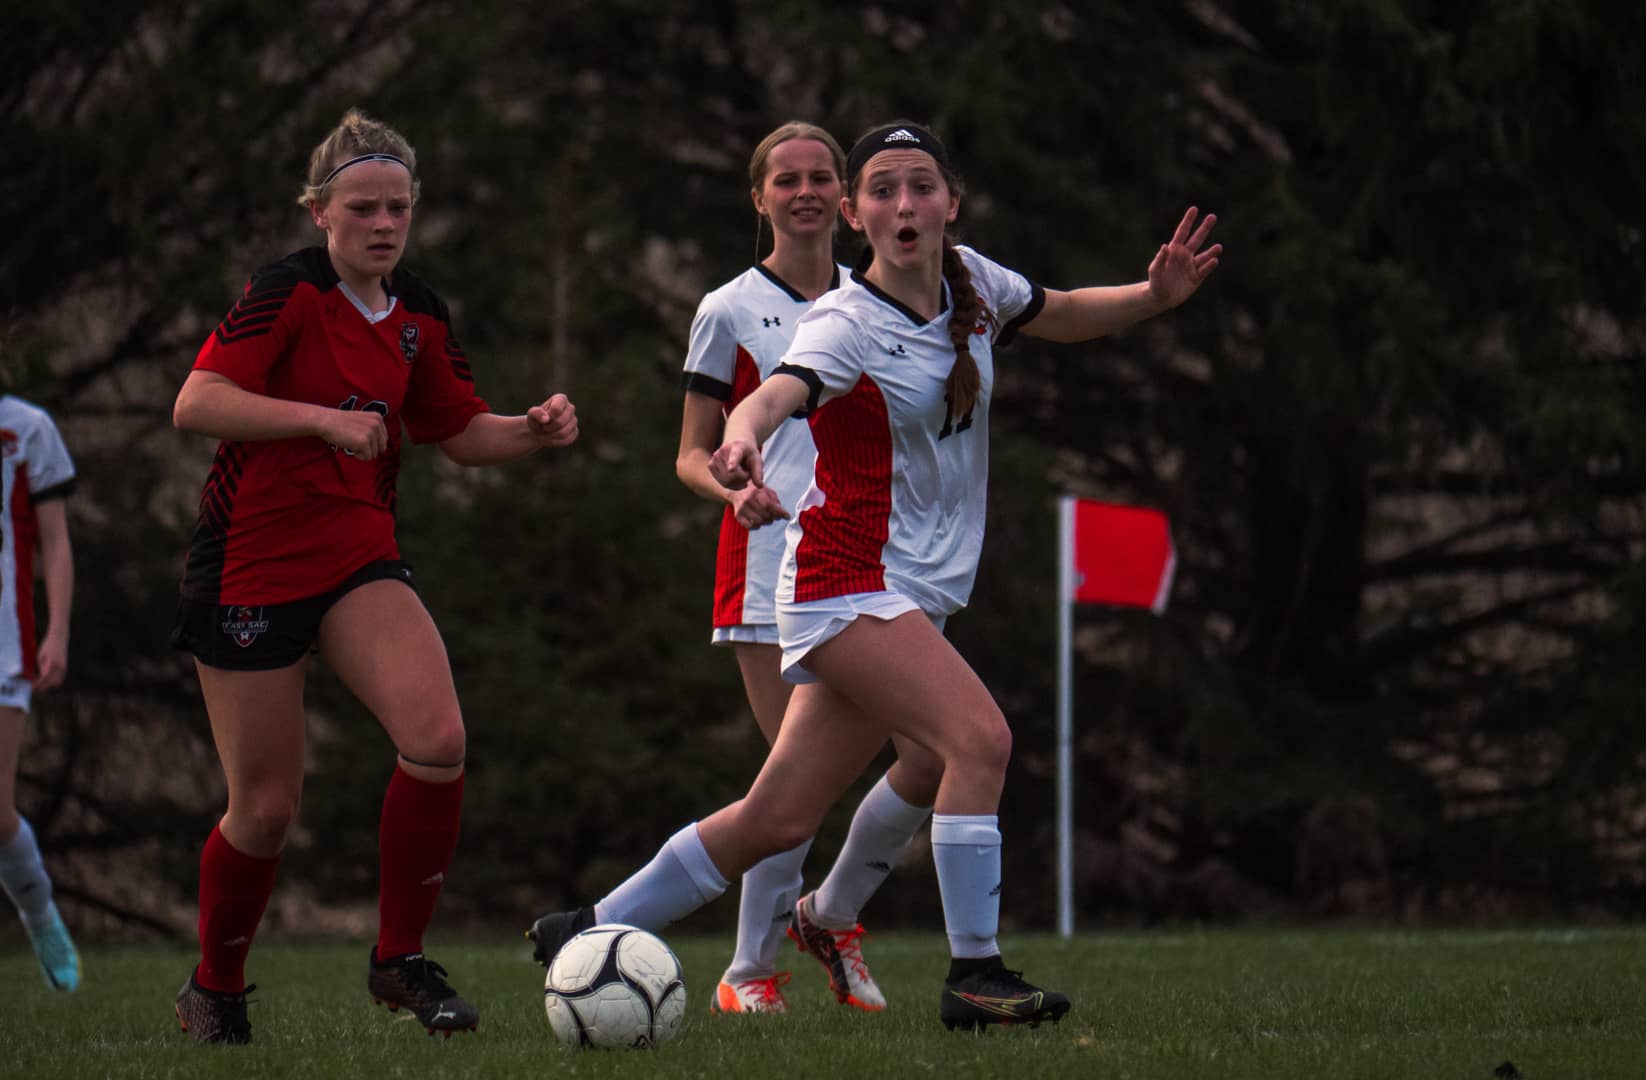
[(1107, 554), (1123, 555)]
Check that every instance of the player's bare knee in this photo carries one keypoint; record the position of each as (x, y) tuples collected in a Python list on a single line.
[(440, 742), (986, 746), (264, 820)]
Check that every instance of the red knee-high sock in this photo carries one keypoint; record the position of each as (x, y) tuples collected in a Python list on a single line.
[(415, 842), (234, 890)]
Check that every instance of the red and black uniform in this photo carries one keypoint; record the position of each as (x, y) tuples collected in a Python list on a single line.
[(285, 519)]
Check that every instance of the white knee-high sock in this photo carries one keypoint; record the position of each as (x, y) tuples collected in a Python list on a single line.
[(770, 889), (680, 879), (966, 848), (24, 876), (880, 833)]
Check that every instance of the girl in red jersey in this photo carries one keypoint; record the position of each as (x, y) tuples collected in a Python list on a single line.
[(308, 382), (895, 371), (739, 334)]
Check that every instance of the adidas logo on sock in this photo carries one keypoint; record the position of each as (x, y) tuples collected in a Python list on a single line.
[(996, 890), (902, 135), (235, 943), (434, 880), (882, 867)]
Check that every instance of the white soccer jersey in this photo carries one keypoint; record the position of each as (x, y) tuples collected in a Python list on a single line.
[(740, 333), (34, 466), (897, 499)]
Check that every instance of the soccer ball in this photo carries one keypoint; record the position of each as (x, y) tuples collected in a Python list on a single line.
[(615, 986)]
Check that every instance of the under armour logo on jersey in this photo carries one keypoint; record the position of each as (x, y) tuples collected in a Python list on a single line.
[(773, 321), (896, 350), (408, 341), (902, 135)]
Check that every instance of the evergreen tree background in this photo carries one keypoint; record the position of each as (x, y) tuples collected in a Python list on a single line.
[(1398, 434)]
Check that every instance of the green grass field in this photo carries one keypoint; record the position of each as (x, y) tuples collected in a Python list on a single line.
[(1225, 1004)]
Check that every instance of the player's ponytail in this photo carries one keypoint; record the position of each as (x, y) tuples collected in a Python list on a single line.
[(966, 308)]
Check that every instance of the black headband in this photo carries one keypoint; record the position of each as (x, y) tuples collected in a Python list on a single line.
[(363, 158), (894, 137)]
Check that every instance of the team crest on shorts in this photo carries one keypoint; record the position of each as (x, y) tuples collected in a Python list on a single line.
[(408, 341), (244, 624)]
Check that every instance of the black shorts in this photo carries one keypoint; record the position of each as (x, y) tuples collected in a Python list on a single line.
[(236, 637)]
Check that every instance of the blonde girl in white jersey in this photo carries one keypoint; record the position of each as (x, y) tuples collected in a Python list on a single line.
[(36, 476), (740, 333), (861, 626)]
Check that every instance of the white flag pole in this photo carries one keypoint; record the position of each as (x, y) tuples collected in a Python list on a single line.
[(1065, 719)]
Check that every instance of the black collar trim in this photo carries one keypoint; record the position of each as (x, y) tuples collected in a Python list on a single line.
[(793, 293), (862, 267)]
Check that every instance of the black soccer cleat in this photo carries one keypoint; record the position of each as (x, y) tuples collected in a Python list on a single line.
[(553, 930), (211, 1016), (419, 984), (998, 996)]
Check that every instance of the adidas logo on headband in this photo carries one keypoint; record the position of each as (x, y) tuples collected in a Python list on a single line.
[(894, 136)]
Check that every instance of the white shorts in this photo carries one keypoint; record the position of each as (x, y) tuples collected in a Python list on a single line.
[(803, 627), (15, 693), (746, 634)]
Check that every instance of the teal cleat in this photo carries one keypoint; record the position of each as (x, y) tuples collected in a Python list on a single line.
[(59, 962)]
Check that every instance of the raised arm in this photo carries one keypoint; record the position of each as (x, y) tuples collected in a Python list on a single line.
[(1177, 270)]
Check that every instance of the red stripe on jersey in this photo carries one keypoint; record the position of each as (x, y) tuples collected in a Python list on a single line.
[(842, 540), (731, 565), (25, 532)]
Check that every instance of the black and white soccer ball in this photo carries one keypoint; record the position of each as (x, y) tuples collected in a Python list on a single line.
[(615, 986)]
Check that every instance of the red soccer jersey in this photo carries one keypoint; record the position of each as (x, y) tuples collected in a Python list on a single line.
[(285, 519)]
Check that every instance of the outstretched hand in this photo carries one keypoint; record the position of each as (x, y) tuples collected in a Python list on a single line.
[(1181, 265), (737, 464), (553, 423)]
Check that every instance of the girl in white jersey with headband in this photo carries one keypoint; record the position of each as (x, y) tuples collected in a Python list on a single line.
[(741, 331), (895, 371)]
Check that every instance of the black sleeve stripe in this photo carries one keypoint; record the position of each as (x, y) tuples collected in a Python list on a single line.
[(807, 376), (254, 314), (56, 491), (243, 331), (699, 383), (1037, 300), (459, 362)]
